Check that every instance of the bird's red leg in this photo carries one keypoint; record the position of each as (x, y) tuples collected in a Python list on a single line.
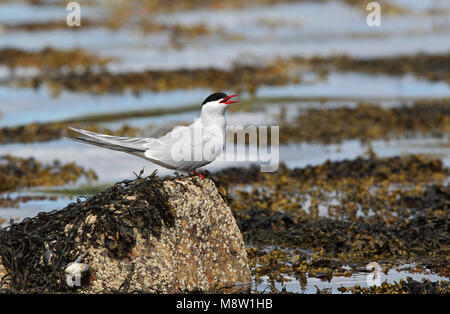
[(199, 174)]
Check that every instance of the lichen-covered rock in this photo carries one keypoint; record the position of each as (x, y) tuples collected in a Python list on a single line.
[(145, 235)]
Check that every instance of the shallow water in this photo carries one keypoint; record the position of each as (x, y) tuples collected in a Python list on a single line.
[(305, 28), (312, 284), (32, 208), (21, 106)]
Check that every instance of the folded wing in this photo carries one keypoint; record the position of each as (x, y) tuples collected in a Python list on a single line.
[(161, 151)]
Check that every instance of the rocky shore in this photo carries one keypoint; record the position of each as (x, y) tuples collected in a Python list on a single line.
[(146, 235)]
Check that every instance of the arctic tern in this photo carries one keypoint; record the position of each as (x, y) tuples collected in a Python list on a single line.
[(185, 148)]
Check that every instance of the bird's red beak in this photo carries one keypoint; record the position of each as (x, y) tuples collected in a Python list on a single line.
[(225, 100)]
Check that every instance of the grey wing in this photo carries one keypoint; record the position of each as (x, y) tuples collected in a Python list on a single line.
[(164, 151), (124, 144), (158, 151)]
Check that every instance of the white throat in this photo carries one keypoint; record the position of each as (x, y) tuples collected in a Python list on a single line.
[(213, 118)]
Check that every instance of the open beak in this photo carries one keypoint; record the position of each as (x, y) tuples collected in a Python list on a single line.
[(225, 100)]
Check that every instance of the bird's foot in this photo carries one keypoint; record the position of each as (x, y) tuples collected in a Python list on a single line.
[(199, 174)]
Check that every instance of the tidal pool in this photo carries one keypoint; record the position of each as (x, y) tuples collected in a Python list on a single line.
[(312, 285)]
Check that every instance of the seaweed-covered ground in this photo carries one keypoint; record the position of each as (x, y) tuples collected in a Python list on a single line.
[(332, 220), (19, 173), (329, 222), (240, 78)]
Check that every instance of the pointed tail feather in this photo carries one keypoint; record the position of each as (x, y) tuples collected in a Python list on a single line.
[(123, 144), (105, 145)]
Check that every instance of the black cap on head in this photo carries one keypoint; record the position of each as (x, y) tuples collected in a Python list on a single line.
[(214, 97)]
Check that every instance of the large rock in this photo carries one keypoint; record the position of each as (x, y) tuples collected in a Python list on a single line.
[(144, 235)]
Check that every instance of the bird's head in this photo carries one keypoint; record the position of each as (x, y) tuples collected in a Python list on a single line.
[(217, 103)]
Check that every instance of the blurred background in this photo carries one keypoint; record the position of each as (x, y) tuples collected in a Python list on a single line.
[(338, 88)]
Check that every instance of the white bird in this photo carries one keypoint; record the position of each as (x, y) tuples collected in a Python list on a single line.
[(185, 148)]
